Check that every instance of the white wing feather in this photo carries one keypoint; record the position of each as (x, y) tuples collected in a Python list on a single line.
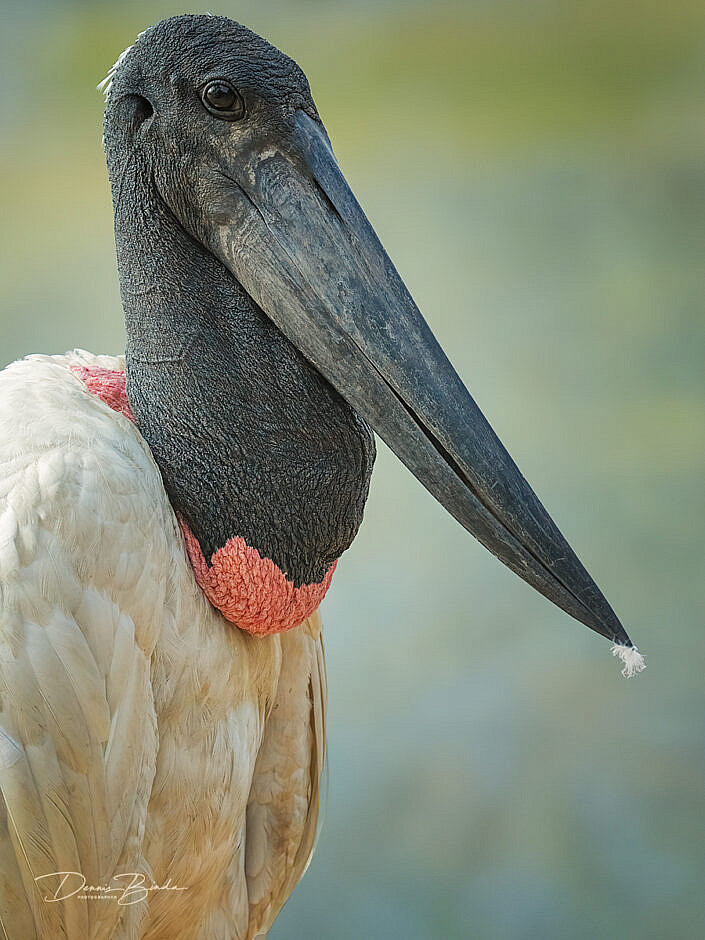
[(139, 731), (81, 593), (282, 811)]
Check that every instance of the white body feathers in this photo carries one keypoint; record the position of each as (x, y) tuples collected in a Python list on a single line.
[(139, 732)]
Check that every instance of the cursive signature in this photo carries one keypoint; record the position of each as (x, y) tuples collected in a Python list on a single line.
[(133, 887)]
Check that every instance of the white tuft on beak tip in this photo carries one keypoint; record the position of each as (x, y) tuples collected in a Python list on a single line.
[(631, 657)]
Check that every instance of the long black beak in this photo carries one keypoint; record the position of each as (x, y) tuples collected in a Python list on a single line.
[(288, 227)]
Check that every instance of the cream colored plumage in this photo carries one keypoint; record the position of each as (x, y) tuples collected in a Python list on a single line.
[(139, 732)]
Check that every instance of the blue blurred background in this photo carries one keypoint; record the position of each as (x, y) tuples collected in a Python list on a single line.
[(536, 169)]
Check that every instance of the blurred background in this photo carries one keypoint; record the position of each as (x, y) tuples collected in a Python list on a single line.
[(536, 169)]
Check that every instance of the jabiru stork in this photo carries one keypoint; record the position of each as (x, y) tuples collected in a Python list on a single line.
[(170, 521)]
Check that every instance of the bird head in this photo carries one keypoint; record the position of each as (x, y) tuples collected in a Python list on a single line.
[(228, 140)]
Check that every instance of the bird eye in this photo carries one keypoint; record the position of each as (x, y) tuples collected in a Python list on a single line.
[(222, 100)]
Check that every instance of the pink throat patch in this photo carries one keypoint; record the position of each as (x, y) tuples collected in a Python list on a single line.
[(248, 590)]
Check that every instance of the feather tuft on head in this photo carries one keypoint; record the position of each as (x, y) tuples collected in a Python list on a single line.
[(105, 84)]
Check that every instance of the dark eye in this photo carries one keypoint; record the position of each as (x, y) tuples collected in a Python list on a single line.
[(222, 100)]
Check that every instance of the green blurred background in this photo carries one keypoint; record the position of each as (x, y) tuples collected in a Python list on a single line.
[(537, 171)]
